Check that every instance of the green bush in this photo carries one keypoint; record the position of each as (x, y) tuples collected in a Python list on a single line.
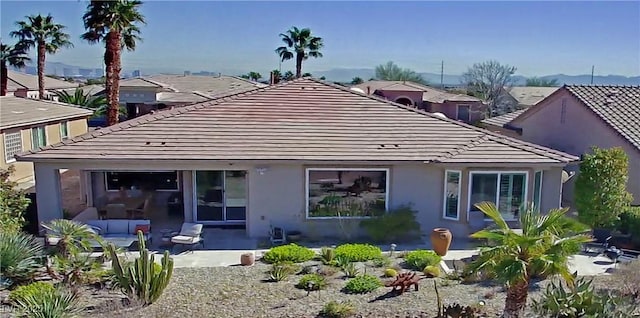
[(362, 284), (358, 252), (45, 302), (395, 226), (13, 203), (24, 291), (390, 272), (20, 257), (419, 259), (312, 282), (334, 309), (630, 222), (288, 253)]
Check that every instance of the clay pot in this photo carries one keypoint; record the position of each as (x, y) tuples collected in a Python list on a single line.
[(441, 240), (247, 259)]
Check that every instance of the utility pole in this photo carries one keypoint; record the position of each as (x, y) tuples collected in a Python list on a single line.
[(592, 68), (442, 75)]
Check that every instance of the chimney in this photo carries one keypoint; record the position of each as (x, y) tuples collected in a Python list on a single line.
[(368, 90), (271, 78)]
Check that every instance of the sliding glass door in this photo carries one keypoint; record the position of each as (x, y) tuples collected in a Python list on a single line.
[(220, 196)]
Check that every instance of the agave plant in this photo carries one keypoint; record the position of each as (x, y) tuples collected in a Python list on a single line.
[(49, 303), (20, 257)]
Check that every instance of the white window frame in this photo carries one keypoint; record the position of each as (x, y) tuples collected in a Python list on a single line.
[(46, 139), (66, 125), (306, 191), (468, 113), (537, 201), (526, 186), (444, 201), (6, 148)]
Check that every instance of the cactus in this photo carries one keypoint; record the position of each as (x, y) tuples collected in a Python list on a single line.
[(143, 278), (390, 272)]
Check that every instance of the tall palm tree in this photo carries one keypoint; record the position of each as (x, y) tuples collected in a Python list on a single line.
[(46, 36), (542, 249), (11, 55), (300, 44), (115, 23)]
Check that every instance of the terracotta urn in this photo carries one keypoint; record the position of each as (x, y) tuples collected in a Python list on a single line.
[(441, 240), (247, 259)]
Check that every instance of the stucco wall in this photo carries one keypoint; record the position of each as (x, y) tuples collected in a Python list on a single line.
[(416, 97), (576, 134), (477, 109), (132, 95)]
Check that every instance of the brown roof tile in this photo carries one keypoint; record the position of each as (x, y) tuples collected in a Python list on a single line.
[(303, 119), (18, 111)]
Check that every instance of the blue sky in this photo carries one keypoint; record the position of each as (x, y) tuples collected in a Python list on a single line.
[(539, 38)]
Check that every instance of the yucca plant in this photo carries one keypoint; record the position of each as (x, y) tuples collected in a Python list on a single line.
[(327, 255), (142, 278), (20, 257), (48, 303), (350, 270), (281, 271)]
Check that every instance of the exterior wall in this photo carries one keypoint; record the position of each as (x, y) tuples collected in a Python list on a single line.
[(416, 97), (137, 95), (450, 109), (546, 127)]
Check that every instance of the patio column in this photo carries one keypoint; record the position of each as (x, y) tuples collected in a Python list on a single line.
[(48, 193)]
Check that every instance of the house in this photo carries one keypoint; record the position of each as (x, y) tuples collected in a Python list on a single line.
[(461, 107), (526, 96), (141, 95), (26, 85), (575, 118), (294, 154), (30, 124)]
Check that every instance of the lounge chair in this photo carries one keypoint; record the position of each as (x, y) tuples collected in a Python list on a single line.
[(600, 241), (277, 235), (190, 235)]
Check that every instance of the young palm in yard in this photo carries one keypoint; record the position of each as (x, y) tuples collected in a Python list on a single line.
[(46, 36), (11, 56), (300, 44), (543, 248), (115, 23)]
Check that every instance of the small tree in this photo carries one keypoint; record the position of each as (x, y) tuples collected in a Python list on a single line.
[(601, 188), (392, 72), (490, 81), (542, 82), (356, 80), (13, 203)]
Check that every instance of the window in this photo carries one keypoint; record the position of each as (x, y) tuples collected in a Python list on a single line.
[(64, 130), (38, 137), (507, 190), (451, 194), (464, 113), (537, 189), (142, 180), (12, 145), (346, 192)]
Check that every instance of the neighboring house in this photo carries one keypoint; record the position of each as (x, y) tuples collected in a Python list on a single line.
[(461, 107), (28, 124), (141, 95), (575, 118), (290, 154), (26, 85), (527, 96)]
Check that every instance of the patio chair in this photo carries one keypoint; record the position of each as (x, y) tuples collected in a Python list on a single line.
[(277, 235), (116, 211), (600, 241), (143, 211), (190, 235)]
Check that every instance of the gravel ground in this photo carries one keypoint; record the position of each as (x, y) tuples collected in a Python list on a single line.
[(240, 292)]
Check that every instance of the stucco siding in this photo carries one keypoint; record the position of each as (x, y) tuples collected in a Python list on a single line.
[(131, 95), (575, 132)]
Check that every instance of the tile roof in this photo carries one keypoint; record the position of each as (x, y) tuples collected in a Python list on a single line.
[(618, 106), (18, 111), (429, 94), (213, 86), (93, 89), (530, 95), (502, 120), (17, 80), (304, 119)]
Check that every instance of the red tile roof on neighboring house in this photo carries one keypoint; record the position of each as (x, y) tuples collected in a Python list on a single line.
[(429, 94), (304, 119)]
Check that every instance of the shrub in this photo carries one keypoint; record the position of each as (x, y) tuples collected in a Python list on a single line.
[(601, 187), (46, 302), (327, 255), (390, 272), (358, 252), (13, 203), (20, 256), (312, 282), (383, 261), (432, 271), (24, 291), (630, 222), (334, 309), (419, 259), (288, 253), (281, 271), (362, 284), (350, 270), (397, 225), (580, 301)]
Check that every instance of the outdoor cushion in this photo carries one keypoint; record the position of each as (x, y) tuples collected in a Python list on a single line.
[(191, 229), (134, 223), (182, 239), (142, 227), (118, 227), (101, 224)]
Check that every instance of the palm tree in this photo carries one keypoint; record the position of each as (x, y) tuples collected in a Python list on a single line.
[(356, 80), (46, 36), (301, 45), (288, 75), (254, 76), (15, 56), (392, 72), (276, 76), (542, 249), (115, 23)]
